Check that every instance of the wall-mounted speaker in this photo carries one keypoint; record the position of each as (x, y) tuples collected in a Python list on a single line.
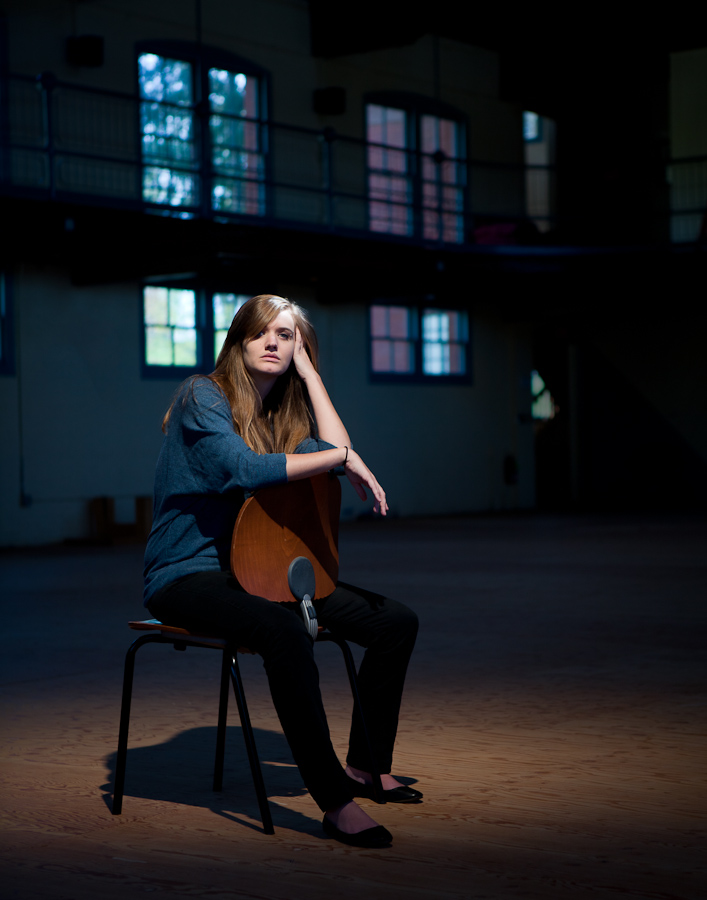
[(329, 101), (85, 50)]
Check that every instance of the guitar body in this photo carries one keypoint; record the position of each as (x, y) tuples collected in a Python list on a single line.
[(278, 524)]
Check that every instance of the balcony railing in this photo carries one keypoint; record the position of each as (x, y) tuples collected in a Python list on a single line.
[(63, 141)]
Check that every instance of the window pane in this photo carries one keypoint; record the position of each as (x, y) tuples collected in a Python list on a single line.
[(167, 126), (158, 346), (165, 80), (379, 321), (392, 356), (435, 359), (448, 137), (441, 179), (392, 347), (399, 322), (182, 308), (167, 134), (236, 144), (531, 126), (170, 327), (428, 134), (231, 195), (432, 326), (381, 357), (184, 346), (233, 93), (389, 184), (403, 358), (394, 128), (225, 307), (457, 359), (169, 186), (155, 306), (232, 143), (444, 339)]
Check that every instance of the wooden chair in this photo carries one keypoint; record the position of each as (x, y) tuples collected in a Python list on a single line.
[(275, 527)]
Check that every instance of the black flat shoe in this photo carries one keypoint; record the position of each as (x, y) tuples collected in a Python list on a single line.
[(402, 794), (371, 837)]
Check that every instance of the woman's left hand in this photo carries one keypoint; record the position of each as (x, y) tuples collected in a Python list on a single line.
[(359, 475), (301, 359)]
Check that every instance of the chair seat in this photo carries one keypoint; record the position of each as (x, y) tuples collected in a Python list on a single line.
[(214, 640)]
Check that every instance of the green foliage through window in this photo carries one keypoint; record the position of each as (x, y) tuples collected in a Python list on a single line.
[(225, 306), (170, 327), (178, 334), (173, 171)]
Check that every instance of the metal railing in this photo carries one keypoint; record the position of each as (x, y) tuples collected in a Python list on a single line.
[(64, 141)]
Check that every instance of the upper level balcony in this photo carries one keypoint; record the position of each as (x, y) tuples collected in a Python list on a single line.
[(220, 161)]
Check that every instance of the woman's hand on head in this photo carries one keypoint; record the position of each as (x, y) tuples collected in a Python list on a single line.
[(301, 359), (359, 475)]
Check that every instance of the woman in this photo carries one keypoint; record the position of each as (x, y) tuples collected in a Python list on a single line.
[(251, 424)]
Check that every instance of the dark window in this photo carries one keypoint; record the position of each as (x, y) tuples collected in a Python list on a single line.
[(411, 344), (416, 173)]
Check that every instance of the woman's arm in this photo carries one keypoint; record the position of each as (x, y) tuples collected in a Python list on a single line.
[(329, 426), (304, 465)]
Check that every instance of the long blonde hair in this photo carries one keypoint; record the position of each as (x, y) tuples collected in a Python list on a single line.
[(283, 420)]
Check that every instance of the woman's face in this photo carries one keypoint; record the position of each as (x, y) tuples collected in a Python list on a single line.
[(269, 354)]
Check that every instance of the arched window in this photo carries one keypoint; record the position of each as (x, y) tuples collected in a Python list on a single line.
[(416, 167), (203, 116)]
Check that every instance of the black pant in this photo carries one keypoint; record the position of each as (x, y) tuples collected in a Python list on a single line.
[(215, 601)]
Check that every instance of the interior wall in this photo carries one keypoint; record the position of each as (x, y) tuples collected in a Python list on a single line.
[(82, 422), (436, 448)]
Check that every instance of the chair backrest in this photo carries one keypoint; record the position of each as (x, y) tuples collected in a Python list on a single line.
[(278, 524)]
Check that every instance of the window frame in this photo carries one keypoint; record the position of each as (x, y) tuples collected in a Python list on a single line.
[(415, 108), (202, 58), (417, 309), (204, 325)]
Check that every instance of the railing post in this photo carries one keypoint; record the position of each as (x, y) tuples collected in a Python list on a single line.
[(329, 136), (46, 82)]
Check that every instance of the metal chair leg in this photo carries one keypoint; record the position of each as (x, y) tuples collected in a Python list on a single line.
[(229, 667), (121, 758), (251, 749), (222, 719)]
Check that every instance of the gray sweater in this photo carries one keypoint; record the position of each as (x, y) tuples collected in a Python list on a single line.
[(203, 472)]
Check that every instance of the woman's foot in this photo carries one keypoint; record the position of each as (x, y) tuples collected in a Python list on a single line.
[(393, 790), (351, 825), (387, 781)]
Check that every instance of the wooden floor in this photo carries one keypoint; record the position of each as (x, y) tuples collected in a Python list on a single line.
[(554, 718)]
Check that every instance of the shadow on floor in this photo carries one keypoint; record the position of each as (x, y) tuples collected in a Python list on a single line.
[(180, 770)]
